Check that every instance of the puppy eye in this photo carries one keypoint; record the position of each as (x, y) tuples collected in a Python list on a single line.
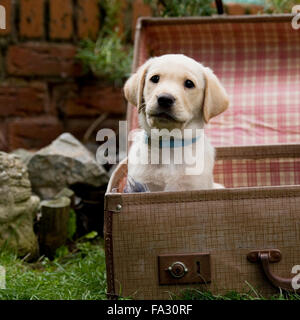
[(189, 84), (154, 79)]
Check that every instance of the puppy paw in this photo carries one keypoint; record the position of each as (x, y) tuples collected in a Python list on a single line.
[(133, 186)]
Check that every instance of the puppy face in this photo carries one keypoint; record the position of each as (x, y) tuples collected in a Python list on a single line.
[(172, 91)]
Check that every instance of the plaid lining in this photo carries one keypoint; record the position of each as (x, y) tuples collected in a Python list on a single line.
[(238, 173), (259, 65), (257, 173)]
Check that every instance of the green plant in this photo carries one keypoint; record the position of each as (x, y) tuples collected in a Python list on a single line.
[(179, 8), (109, 58), (79, 274), (280, 6), (71, 224), (194, 294)]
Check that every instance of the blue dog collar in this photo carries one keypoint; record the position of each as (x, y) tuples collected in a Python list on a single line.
[(172, 143)]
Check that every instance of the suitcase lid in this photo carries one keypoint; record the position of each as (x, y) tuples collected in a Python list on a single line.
[(257, 59)]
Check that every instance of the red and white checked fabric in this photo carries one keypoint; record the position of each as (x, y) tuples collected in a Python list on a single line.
[(257, 172), (239, 173), (258, 64)]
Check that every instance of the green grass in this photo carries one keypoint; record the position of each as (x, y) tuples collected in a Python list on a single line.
[(77, 275), (194, 294), (80, 275)]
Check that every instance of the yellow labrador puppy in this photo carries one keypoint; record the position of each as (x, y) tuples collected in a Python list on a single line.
[(175, 96)]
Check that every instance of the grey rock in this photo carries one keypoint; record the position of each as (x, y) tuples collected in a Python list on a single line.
[(65, 192), (18, 207), (63, 163), (24, 155)]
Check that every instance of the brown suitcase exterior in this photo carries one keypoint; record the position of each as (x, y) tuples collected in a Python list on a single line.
[(227, 224), (159, 244)]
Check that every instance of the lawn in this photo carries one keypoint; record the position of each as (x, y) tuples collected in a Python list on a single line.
[(251, 295), (77, 275), (80, 275)]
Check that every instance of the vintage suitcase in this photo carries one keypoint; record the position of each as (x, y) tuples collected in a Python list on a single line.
[(246, 237)]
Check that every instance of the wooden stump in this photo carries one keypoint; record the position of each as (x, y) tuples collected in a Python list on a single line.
[(53, 226)]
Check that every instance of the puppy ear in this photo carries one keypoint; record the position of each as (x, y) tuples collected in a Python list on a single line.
[(216, 99), (134, 86)]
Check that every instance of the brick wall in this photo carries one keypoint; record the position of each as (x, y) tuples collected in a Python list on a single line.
[(43, 91)]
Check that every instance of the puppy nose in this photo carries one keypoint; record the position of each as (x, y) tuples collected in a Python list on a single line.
[(165, 100)]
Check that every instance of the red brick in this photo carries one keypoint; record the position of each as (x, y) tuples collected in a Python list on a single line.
[(122, 17), (88, 19), (235, 9), (32, 18), (3, 137), (60, 93), (8, 9), (89, 100), (33, 133), (2, 71), (23, 100), (42, 59), (79, 126), (255, 9), (61, 19), (139, 9)]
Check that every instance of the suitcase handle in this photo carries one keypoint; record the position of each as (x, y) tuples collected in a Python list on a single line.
[(265, 257)]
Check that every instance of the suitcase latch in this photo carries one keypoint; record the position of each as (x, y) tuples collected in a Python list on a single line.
[(178, 270), (184, 268)]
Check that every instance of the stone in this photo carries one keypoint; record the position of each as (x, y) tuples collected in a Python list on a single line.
[(65, 192), (23, 154), (65, 162), (18, 207)]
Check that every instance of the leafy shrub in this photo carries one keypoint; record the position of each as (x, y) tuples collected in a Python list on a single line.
[(280, 6), (109, 58), (72, 224), (179, 8)]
